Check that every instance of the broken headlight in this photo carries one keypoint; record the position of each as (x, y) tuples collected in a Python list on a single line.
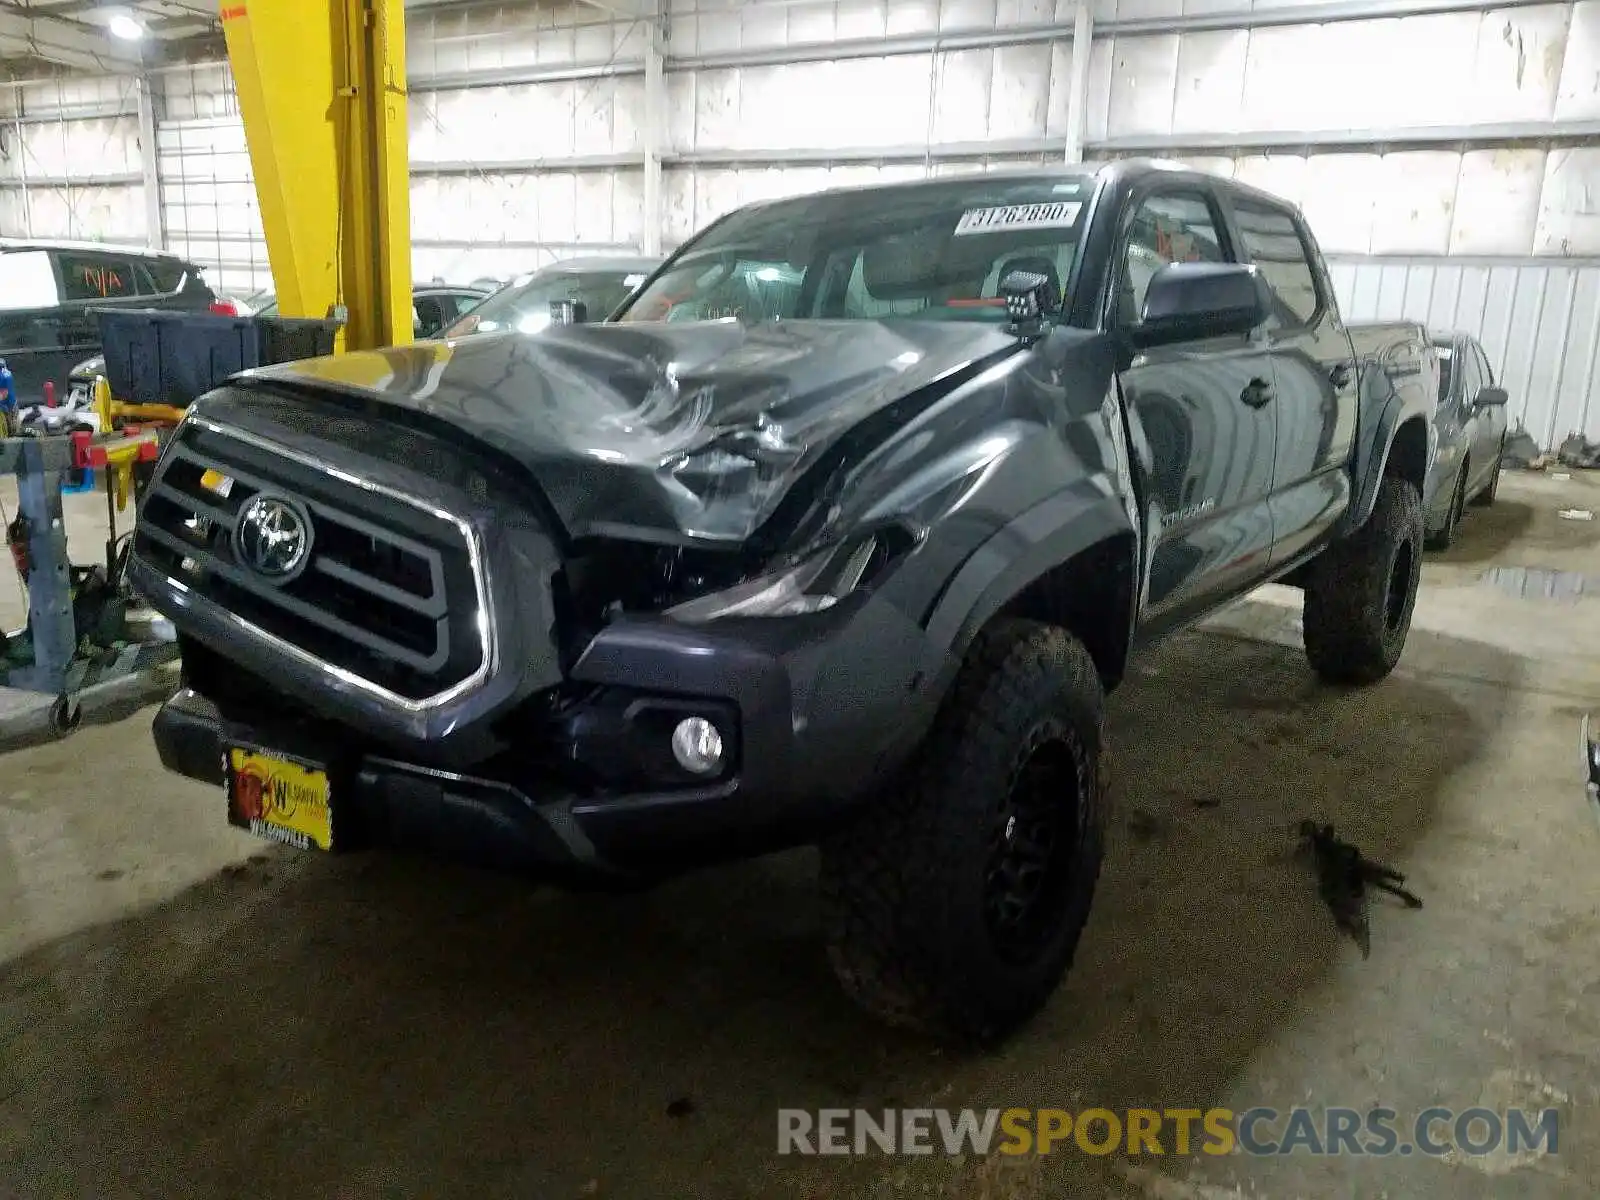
[(815, 582)]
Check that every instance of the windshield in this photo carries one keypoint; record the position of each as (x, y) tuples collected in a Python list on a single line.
[(933, 252), (524, 304)]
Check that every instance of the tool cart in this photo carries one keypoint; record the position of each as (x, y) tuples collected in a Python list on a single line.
[(78, 634)]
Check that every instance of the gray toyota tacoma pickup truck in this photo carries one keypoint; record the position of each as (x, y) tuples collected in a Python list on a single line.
[(838, 532)]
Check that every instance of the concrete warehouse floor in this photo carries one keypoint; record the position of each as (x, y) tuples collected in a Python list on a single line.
[(186, 1011)]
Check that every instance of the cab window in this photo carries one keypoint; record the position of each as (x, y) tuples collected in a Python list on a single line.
[(95, 277), (1272, 241), (1167, 228)]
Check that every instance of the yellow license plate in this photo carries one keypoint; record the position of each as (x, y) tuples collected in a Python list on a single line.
[(279, 798)]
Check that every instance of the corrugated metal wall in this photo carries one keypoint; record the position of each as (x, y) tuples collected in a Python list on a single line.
[(528, 139), (1539, 323)]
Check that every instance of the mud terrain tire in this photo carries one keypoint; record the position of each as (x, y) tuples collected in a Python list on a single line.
[(955, 903)]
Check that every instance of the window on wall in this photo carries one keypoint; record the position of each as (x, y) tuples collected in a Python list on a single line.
[(93, 277), (1273, 243), (1168, 228)]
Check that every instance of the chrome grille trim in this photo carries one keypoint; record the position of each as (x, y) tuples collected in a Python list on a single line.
[(485, 624)]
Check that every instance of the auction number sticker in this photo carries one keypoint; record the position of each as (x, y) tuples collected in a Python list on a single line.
[(1057, 214)]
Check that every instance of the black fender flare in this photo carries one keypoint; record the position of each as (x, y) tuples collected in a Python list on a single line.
[(1372, 457), (1050, 533)]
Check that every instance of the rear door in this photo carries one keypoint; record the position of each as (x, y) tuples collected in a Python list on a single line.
[(1313, 371), (1203, 413)]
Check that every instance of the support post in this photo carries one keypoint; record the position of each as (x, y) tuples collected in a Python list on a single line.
[(323, 97), (1078, 87), (149, 163), (655, 106)]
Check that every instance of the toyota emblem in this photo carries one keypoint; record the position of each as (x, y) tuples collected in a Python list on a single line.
[(273, 537)]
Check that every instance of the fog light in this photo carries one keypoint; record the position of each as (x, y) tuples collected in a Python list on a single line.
[(697, 745)]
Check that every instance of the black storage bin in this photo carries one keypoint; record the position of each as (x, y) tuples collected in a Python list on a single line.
[(288, 339), (159, 356)]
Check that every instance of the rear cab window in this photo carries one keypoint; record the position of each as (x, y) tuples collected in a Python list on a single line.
[(27, 280)]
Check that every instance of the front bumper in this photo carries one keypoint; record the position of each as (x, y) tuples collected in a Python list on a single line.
[(817, 711), (391, 803)]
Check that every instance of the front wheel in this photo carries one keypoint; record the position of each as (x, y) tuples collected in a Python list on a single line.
[(954, 905), (1361, 590)]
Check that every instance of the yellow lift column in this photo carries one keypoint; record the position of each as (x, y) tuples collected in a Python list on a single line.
[(322, 91)]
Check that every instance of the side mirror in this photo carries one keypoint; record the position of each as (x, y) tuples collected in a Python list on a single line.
[(1189, 301), (568, 312), (1491, 397)]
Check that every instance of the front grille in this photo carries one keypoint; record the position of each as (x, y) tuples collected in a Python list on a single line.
[(389, 594)]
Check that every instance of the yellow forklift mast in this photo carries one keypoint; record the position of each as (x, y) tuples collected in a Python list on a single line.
[(322, 93)]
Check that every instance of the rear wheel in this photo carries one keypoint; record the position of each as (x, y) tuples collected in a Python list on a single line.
[(1361, 590), (955, 903)]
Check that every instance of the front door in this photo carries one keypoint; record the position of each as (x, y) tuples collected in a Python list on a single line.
[(1490, 431), (1203, 420)]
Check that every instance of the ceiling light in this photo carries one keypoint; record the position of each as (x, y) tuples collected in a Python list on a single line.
[(125, 27)]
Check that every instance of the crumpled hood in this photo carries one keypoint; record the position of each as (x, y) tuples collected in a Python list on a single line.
[(660, 431)]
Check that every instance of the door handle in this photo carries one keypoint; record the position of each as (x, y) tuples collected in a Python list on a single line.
[(1256, 393), (1339, 375)]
